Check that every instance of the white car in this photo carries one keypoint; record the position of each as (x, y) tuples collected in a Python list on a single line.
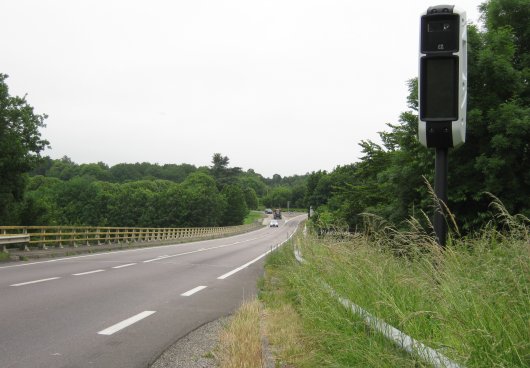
[(273, 223)]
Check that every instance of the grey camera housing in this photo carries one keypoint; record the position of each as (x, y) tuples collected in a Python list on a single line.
[(442, 87)]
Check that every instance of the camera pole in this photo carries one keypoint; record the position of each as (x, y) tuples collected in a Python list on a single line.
[(440, 190)]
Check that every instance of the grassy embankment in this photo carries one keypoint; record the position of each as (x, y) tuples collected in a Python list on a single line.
[(253, 216), (470, 302)]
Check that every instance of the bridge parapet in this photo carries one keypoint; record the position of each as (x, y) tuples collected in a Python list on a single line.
[(43, 237)]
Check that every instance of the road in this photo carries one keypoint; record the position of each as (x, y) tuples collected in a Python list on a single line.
[(124, 308)]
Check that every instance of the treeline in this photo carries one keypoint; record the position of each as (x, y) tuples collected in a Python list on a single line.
[(389, 180), (61, 192)]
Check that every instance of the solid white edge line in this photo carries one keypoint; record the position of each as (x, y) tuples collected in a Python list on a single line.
[(125, 323), (87, 273), (125, 265), (228, 274), (193, 291), (222, 277), (36, 281)]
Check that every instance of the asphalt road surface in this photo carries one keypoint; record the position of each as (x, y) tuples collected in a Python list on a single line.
[(124, 308)]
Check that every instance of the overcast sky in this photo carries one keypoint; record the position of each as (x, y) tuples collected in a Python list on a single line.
[(279, 86)]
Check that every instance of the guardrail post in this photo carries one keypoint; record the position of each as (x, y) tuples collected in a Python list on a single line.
[(60, 238), (74, 237), (24, 246), (86, 237), (43, 239)]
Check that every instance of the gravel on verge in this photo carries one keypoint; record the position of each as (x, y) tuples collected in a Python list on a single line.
[(195, 349)]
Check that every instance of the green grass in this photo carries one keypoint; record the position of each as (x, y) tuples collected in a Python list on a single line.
[(252, 216), (471, 302)]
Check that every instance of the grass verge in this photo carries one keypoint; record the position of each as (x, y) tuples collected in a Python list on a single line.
[(240, 341), (252, 217), (470, 302)]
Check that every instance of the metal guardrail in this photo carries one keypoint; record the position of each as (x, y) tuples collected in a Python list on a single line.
[(13, 239), (43, 237), (397, 337)]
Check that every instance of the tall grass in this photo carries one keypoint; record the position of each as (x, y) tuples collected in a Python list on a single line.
[(240, 341), (471, 302)]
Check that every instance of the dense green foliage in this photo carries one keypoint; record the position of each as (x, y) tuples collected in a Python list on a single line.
[(61, 192), (389, 180), (20, 145)]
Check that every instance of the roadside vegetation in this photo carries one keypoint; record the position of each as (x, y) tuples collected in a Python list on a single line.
[(470, 302), (240, 344), (388, 180), (252, 217)]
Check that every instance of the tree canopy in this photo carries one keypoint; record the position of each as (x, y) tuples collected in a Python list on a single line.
[(20, 147), (389, 178)]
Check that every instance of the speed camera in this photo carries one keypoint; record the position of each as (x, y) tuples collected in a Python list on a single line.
[(442, 77)]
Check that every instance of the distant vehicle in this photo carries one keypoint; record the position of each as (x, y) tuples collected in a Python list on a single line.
[(268, 211), (273, 223), (277, 214)]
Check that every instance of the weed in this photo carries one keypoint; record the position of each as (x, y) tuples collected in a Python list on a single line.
[(471, 302)]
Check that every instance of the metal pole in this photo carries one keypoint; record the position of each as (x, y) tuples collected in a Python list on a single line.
[(440, 189)]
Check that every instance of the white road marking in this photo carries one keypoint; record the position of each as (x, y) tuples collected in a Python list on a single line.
[(156, 259), (113, 252), (222, 277), (36, 281), (125, 265), (87, 273), (228, 274), (194, 290), (196, 251), (126, 323)]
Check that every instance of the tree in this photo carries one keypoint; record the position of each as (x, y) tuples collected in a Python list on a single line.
[(251, 199), (64, 169), (278, 197), (205, 205), (20, 147), (236, 207), (222, 173), (388, 180)]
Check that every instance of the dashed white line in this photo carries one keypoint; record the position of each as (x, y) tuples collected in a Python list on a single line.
[(36, 281), (87, 273), (193, 291), (125, 265), (125, 323), (159, 258), (156, 259)]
